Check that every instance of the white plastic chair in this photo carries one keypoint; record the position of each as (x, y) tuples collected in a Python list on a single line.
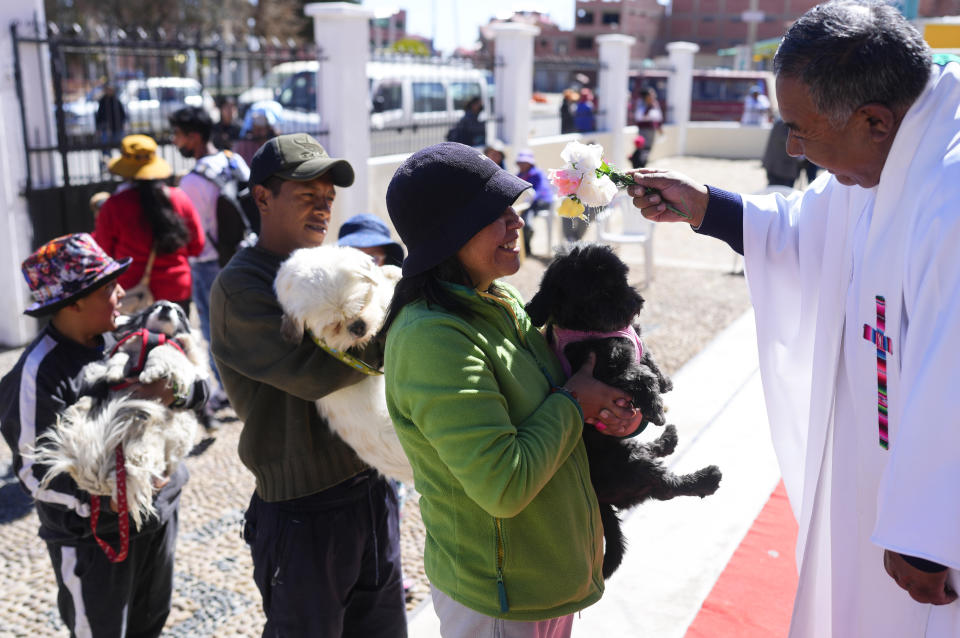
[(635, 229)]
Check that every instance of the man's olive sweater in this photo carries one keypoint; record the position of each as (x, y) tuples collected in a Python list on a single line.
[(273, 384)]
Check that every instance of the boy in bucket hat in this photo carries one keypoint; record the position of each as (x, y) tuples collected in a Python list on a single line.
[(322, 526), (369, 234), (74, 282)]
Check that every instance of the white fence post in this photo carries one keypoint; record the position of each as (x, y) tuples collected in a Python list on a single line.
[(16, 231), (680, 88), (612, 91), (513, 76), (342, 34)]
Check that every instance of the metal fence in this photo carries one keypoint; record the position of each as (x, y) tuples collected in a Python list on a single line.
[(153, 75)]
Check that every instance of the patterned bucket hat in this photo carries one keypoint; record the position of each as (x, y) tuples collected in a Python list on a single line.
[(65, 269)]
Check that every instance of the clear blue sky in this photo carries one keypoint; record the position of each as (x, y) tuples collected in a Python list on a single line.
[(454, 23)]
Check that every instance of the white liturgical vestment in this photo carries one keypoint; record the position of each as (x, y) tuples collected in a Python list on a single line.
[(857, 300)]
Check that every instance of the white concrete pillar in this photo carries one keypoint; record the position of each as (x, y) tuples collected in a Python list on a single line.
[(680, 88), (612, 91), (513, 77), (16, 230), (342, 32)]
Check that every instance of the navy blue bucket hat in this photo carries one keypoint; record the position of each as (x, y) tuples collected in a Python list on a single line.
[(443, 195), (365, 231)]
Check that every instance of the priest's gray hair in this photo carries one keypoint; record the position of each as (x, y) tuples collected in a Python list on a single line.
[(852, 52)]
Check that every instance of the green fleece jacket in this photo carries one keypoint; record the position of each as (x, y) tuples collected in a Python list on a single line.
[(273, 384), (512, 523)]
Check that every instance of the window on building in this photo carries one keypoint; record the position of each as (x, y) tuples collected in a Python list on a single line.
[(429, 97), (561, 48), (584, 44), (611, 18), (584, 16)]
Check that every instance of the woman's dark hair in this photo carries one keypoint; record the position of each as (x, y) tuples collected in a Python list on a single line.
[(170, 232), (849, 53), (428, 285)]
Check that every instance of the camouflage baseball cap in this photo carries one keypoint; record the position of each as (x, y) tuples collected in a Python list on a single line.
[(297, 157)]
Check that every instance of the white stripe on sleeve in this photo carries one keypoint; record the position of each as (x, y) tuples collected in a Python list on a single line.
[(28, 431)]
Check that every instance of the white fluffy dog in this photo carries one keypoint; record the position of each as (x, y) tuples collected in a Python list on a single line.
[(83, 444), (341, 297), (181, 360), (154, 438)]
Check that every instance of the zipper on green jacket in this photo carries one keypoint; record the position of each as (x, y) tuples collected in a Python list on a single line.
[(504, 304), (508, 308), (501, 588)]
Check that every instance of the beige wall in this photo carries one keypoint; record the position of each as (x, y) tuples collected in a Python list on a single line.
[(704, 139)]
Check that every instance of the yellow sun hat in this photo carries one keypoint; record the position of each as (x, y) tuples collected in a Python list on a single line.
[(138, 159)]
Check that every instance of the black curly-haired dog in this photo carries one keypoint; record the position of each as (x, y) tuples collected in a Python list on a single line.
[(586, 291)]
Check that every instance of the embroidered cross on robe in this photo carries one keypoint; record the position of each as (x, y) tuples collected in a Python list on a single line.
[(884, 347)]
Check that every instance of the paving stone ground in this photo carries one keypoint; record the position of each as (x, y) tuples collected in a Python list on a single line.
[(694, 295)]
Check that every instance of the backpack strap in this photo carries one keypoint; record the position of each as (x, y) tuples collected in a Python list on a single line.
[(220, 178)]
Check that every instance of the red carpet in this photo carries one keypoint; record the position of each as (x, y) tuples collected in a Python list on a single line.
[(753, 598)]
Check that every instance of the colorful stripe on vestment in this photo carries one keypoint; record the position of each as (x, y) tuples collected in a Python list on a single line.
[(884, 346)]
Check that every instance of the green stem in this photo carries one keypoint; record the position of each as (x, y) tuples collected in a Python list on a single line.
[(622, 181)]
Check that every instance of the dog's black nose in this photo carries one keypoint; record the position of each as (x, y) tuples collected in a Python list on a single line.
[(358, 328)]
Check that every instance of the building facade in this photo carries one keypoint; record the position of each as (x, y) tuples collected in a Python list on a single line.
[(642, 19), (720, 24)]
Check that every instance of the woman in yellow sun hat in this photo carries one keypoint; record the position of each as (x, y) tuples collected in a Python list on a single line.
[(147, 218)]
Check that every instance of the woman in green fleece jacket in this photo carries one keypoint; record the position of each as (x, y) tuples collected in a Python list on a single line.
[(491, 427)]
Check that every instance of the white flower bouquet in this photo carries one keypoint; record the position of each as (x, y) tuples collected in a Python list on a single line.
[(588, 181)]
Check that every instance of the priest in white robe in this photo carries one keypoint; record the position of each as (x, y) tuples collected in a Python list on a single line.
[(856, 287)]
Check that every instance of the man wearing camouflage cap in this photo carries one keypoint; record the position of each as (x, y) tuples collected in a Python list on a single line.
[(322, 526)]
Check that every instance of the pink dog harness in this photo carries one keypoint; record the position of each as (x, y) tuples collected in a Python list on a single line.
[(564, 336)]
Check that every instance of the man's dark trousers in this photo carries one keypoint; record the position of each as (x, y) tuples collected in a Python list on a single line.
[(328, 564)]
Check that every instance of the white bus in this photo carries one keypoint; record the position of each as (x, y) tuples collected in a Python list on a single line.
[(401, 94)]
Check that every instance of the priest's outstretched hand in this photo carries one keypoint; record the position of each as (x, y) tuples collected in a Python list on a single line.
[(658, 187), (923, 587)]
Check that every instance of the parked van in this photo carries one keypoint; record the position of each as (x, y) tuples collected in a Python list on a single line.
[(717, 94), (401, 94)]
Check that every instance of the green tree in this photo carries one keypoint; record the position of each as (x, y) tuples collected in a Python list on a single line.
[(410, 46)]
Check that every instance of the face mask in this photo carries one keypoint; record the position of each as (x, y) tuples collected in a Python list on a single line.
[(186, 152)]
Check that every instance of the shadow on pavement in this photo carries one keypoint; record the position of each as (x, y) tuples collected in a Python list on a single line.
[(14, 502)]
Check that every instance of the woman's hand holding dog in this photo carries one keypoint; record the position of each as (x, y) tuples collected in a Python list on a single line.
[(674, 188), (605, 407)]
